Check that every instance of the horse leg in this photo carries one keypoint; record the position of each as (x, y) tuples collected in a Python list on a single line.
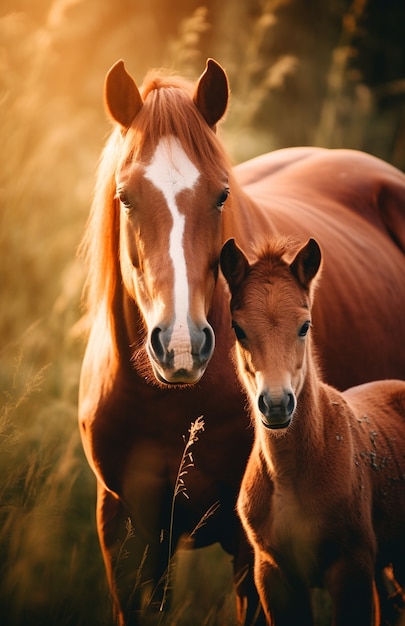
[(350, 581), (249, 610), (398, 581), (129, 559), (286, 600), (390, 583), (110, 525)]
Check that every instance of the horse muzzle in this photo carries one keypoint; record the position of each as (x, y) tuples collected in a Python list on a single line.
[(180, 358), (276, 411)]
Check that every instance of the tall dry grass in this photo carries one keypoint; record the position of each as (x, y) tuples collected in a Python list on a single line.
[(53, 57)]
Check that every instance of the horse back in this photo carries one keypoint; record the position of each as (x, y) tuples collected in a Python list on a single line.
[(383, 402), (362, 184)]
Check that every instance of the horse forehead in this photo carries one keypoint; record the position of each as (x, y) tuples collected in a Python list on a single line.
[(275, 302), (170, 169)]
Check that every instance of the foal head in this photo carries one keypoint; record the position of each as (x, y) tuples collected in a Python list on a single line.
[(271, 316), (171, 183)]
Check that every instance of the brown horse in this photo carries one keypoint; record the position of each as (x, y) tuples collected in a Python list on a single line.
[(323, 496), (165, 201)]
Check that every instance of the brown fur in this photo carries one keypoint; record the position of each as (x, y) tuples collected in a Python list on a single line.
[(131, 424), (167, 110), (322, 499)]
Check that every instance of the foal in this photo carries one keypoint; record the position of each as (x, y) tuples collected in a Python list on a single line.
[(323, 496)]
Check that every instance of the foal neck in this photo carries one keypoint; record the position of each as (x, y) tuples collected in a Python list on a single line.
[(302, 447)]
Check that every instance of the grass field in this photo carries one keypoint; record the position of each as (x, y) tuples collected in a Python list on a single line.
[(53, 57)]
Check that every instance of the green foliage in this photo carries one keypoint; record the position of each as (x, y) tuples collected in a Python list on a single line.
[(50, 563)]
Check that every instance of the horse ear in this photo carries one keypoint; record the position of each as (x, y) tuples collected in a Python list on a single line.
[(234, 264), (306, 263), (121, 95), (212, 92)]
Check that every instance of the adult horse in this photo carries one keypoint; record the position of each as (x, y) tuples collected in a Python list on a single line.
[(166, 199)]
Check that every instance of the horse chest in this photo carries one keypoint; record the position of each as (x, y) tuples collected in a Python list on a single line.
[(287, 530), (291, 522)]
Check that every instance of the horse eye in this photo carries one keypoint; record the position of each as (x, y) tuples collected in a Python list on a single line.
[(304, 329), (123, 198), (240, 334), (222, 198)]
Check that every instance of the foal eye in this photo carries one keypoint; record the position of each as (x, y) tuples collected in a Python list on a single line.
[(222, 198), (240, 334), (304, 329)]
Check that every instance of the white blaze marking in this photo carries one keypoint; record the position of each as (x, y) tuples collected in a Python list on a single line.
[(171, 171)]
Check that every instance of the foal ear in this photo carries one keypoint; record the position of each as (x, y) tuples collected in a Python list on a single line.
[(234, 264), (212, 92), (121, 95), (306, 263)]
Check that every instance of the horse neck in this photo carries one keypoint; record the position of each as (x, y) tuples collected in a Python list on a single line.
[(243, 218), (290, 455), (125, 326)]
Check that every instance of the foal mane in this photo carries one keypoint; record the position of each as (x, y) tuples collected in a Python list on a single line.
[(274, 254), (270, 265), (168, 110)]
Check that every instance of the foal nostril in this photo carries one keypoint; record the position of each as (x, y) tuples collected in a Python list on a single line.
[(208, 344), (269, 406), (263, 405), (156, 343)]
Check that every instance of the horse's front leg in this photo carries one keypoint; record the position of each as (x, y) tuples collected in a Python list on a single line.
[(350, 581), (286, 600), (249, 611), (134, 563)]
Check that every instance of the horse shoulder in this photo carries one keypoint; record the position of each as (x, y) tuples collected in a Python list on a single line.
[(102, 407), (332, 490), (98, 370)]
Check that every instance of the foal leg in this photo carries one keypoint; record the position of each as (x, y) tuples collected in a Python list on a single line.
[(248, 606), (351, 585), (391, 585), (285, 601)]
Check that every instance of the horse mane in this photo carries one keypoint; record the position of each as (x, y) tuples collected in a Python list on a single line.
[(168, 110), (274, 253)]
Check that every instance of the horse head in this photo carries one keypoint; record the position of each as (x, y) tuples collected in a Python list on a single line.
[(271, 316), (171, 183)]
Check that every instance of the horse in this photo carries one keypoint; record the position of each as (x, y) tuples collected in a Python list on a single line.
[(166, 198), (322, 498)]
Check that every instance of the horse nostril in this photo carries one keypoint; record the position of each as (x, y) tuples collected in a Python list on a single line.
[(207, 347), (290, 403), (268, 406), (263, 405), (156, 343)]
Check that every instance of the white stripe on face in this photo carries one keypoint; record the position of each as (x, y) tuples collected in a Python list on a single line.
[(171, 171)]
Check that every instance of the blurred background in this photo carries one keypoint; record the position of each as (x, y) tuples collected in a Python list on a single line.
[(302, 72)]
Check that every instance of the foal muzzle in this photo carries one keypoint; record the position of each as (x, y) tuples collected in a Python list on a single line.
[(276, 410)]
